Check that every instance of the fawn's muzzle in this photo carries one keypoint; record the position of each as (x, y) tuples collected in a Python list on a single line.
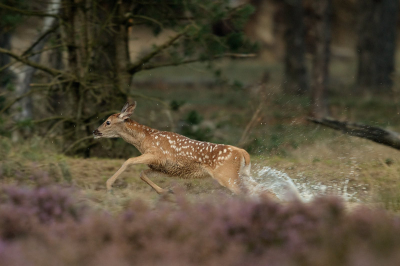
[(97, 133)]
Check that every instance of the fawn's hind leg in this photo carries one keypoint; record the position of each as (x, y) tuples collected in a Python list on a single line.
[(228, 177), (143, 159), (149, 172)]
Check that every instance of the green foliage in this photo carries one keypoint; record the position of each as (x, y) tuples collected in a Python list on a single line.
[(193, 118), (176, 104), (10, 19), (192, 128), (214, 26), (237, 85)]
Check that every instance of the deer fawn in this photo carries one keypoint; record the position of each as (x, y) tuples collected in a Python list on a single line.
[(171, 154)]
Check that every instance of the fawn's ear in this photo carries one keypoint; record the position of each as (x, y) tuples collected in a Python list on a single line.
[(127, 110)]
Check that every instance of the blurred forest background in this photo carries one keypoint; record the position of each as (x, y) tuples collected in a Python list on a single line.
[(255, 74), (310, 88)]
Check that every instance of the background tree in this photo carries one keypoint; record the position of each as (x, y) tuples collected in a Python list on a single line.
[(99, 70), (376, 43), (319, 30), (22, 110), (8, 21), (296, 78)]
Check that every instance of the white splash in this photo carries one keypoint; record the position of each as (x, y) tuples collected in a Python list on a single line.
[(277, 182), (309, 189), (301, 188), (304, 188)]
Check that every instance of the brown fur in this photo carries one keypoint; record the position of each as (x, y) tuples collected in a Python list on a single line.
[(175, 155)]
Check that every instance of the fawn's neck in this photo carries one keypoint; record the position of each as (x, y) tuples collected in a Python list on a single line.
[(134, 133)]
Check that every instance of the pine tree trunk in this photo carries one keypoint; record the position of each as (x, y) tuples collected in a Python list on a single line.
[(296, 79), (376, 43), (321, 31)]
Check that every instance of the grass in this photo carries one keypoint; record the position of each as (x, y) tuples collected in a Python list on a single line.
[(371, 171)]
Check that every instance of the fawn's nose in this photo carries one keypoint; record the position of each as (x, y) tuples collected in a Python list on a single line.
[(96, 132)]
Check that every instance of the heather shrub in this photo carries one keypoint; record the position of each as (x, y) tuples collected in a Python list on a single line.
[(24, 208), (45, 226)]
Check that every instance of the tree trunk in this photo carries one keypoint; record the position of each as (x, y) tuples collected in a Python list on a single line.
[(56, 101), (23, 108), (5, 75), (122, 51), (376, 43), (321, 33), (97, 54), (296, 79)]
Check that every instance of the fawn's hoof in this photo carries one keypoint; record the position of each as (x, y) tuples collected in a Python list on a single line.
[(167, 195)]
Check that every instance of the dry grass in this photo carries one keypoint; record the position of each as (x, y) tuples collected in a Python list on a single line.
[(368, 171), (90, 175)]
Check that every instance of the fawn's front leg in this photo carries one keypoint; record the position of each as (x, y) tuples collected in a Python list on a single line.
[(143, 159)]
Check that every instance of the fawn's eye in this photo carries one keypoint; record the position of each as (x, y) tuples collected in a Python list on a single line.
[(108, 123)]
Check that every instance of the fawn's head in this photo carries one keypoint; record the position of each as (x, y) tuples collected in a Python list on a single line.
[(112, 126)]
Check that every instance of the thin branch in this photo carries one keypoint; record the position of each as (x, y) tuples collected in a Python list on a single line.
[(51, 71), (249, 125), (55, 81), (44, 35), (140, 64), (26, 55), (51, 118), (188, 61), (59, 122), (7, 66), (130, 15), (77, 142), (148, 98), (19, 98), (46, 87), (27, 12), (45, 49)]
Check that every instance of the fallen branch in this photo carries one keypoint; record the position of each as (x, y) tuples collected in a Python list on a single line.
[(376, 134)]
